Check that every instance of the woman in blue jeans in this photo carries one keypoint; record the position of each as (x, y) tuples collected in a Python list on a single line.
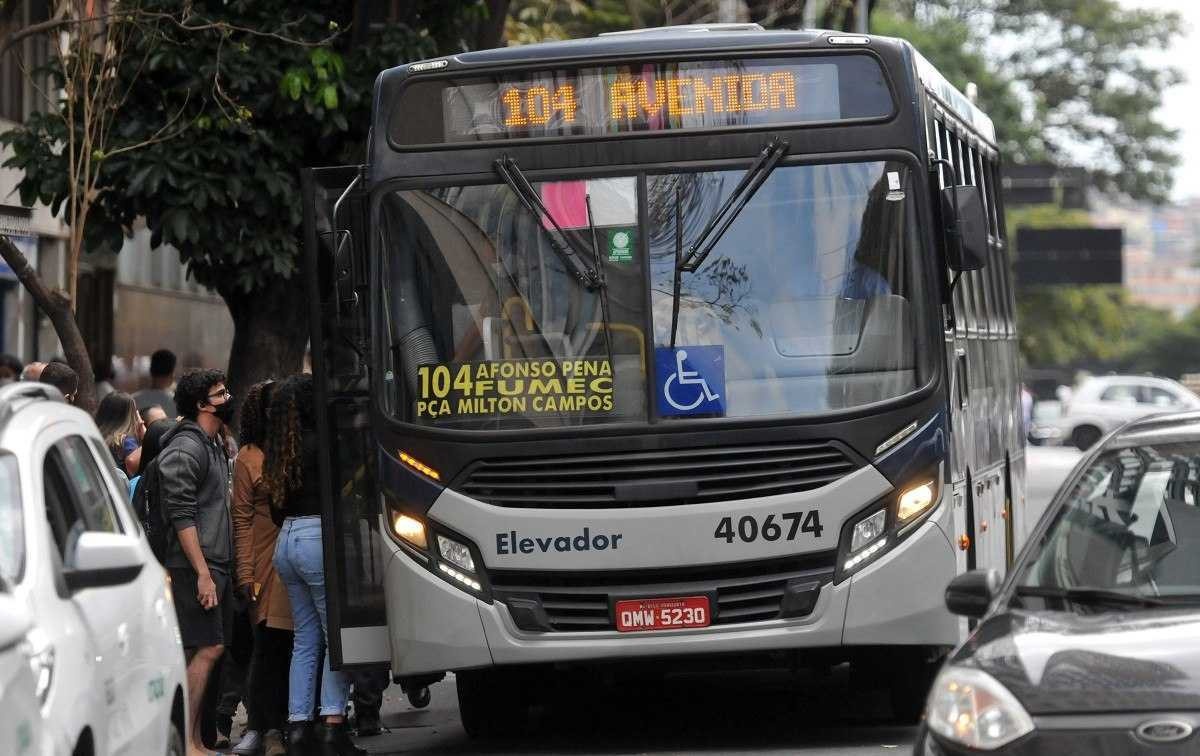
[(290, 476)]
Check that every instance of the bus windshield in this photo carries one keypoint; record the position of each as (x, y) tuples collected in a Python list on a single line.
[(812, 301)]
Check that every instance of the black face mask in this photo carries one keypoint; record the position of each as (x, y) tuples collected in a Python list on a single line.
[(224, 412)]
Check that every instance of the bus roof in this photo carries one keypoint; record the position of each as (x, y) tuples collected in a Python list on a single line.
[(711, 38)]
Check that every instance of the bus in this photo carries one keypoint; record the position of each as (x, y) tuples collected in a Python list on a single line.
[(677, 343)]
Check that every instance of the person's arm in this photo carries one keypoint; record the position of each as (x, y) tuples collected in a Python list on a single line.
[(179, 476), (243, 521)]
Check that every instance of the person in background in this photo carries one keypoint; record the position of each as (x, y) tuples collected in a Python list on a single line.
[(254, 536), (10, 369), (150, 448), (162, 384), (63, 378), (153, 414), (104, 378), (193, 478), (290, 479), (122, 428), (1026, 407), (33, 371)]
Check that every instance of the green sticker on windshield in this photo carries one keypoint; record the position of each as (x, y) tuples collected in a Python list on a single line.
[(620, 245)]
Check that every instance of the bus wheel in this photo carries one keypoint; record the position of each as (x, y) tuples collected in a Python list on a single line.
[(910, 677), (420, 697), (490, 703)]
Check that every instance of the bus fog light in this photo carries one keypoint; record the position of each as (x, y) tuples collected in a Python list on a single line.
[(455, 553), (914, 501), (411, 530), (868, 530)]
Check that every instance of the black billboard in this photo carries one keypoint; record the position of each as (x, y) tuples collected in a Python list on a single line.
[(1065, 256)]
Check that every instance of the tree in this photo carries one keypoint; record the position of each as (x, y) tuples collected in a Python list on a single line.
[(266, 87), (1088, 94), (64, 148)]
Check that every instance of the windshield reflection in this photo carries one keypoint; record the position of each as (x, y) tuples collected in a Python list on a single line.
[(1131, 523)]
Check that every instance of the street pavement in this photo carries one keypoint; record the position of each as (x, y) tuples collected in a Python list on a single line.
[(751, 713)]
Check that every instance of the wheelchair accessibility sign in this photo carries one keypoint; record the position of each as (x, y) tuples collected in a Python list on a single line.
[(690, 380)]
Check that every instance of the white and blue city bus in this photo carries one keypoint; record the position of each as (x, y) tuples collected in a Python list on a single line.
[(664, 344)]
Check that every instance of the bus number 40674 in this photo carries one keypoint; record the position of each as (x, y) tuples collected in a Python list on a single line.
[(789, 526)]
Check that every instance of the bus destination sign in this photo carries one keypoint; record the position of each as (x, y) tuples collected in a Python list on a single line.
[(641, 97)]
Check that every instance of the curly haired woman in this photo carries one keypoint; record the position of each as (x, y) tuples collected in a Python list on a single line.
[(290, 479), (254, 536)]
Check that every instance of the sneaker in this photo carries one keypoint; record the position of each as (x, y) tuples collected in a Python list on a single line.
[(250, 743)]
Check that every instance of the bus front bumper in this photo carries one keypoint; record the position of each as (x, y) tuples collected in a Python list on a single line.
[(434, 626)]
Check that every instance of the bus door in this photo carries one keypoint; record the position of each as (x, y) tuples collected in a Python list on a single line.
[(335, 267)]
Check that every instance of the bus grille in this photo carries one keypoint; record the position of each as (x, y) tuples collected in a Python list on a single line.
[(656, 478), (581, 601)]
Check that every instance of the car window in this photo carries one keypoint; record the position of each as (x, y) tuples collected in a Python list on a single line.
[(1130, 523), (1122, 393), (77, 501), (12, 522), (1157, 396)]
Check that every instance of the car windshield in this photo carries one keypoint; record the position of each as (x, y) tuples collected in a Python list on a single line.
[(812, 300), (12, 529), (1131, 524)]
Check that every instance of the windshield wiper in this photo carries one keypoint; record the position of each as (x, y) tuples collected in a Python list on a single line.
[(1089, 596), (754, 177), (601, 283), (508, 170)]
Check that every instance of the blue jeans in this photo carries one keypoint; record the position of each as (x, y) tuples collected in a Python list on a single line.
[(299, 560)]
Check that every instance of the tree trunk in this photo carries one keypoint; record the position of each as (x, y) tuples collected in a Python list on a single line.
[(270, 334), (58, 309)]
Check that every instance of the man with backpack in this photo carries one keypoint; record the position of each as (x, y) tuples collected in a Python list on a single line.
[(192, 482)]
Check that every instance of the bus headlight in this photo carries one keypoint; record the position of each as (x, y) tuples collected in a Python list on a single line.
[(410, 529), (868, 529), (456, 553), (885, 524), (915, 500)]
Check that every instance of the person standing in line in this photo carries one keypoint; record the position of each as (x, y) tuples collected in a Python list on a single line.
[(290, 476), (103, 372), (63, 378), (122, 428), (254, 535), (193, 477), (162, 381)]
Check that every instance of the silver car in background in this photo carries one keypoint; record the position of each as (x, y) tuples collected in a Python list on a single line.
[(1103, 403)]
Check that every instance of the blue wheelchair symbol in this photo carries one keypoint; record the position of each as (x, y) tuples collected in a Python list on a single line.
[(691, 380)]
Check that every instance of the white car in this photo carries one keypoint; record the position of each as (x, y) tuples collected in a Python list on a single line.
[(21, 725), (104, 644), (1103, 403)]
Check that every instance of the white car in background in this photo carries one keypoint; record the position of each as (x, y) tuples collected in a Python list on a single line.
[(1101, 404), (103, 646), (21, 723)]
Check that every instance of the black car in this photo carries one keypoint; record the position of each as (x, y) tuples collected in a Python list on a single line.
[(1092, 643)]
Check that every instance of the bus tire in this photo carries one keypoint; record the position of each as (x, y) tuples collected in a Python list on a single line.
[(1085, 437), (490, 703)]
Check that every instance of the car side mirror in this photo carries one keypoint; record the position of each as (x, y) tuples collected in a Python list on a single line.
[(102, 560), (966, 221), (970, 594)]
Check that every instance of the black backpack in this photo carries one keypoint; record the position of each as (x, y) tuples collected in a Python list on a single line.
[(148, 504)]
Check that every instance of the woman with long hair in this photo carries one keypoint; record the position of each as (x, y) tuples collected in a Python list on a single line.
[(254, 536), (119, 422), (292, 487)]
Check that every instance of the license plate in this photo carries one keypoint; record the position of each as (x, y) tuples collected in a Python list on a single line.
[(672, 613)]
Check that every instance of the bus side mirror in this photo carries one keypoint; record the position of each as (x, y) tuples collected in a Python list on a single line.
[(966, 221)]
